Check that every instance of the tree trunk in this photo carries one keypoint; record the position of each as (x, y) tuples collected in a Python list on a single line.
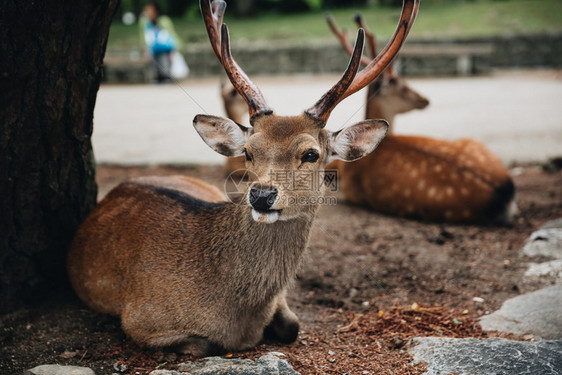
[(50, 71)]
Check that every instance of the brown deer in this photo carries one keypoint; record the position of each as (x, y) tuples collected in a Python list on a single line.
[(421, 177), (184, 268), (236, 109)]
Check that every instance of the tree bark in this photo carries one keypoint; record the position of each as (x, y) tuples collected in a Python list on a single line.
[(50, 71)]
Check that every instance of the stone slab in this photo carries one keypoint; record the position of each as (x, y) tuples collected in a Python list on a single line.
[(266, 365), (538, 313), (547, 241), (59, 370), (490, 356), (546, 269)]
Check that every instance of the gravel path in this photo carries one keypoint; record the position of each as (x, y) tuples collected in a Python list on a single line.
[(518, 115)]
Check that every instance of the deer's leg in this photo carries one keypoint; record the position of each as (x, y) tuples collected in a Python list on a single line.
[(200, 347), (147, 334), (182, 343), (284, 327)]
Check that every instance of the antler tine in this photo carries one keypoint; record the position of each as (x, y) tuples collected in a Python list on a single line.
[(322, 109), (221, 45), (219, 7), (213, 21), (377, 66), (245, 87), (342, 37), (414, 15), (371, 40)]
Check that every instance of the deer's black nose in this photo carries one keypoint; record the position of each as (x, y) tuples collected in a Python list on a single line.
[(262, 198)]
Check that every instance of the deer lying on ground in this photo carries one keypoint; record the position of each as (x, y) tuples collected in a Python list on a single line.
[(421, 177), (236, 109), (184, 268)]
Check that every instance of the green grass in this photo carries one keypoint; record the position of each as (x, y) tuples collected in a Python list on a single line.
[(436, 19)]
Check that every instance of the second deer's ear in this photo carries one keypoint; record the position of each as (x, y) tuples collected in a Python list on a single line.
[(223, 135), (356, 141)]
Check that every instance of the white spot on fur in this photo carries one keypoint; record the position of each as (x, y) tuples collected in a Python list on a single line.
[(431, 191)]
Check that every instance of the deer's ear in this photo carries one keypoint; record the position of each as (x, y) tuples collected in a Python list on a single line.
[(356, 141), (223, 135)]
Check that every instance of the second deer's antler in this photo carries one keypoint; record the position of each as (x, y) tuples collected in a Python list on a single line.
[(374, 67), (371, 40), (383, 59)]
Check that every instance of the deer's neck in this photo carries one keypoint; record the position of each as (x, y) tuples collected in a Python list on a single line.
[(376, 110), (235, 114), (259, 260)]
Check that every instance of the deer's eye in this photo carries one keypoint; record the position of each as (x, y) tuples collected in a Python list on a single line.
[(311, 156), (248, 157)]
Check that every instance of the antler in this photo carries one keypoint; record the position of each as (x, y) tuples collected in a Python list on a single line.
[(371, 40), (389, 71), (342, 36), (322, 109), (383, 59), (221, 45)]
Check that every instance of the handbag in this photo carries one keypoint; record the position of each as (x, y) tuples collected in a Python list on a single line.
[(179, 68)]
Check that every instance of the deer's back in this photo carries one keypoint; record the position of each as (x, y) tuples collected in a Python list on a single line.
[(143, 228)]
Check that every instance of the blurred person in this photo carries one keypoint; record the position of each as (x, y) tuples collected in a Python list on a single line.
[(160, 40)]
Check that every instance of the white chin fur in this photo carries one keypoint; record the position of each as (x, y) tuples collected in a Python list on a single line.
[(265, 217)]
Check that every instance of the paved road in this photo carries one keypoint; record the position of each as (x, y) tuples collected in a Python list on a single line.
[(518, 115)]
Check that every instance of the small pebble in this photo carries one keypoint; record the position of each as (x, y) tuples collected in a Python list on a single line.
[(478, 299), (120, 367), (331, 352)]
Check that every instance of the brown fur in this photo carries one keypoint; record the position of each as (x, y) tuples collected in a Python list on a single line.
[(183, 282), (427, 178)]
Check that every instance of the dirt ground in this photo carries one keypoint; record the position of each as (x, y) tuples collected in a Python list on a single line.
[(369, 284)]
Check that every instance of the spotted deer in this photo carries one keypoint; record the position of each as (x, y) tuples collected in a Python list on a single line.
[(186, 269), (422, 177)]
